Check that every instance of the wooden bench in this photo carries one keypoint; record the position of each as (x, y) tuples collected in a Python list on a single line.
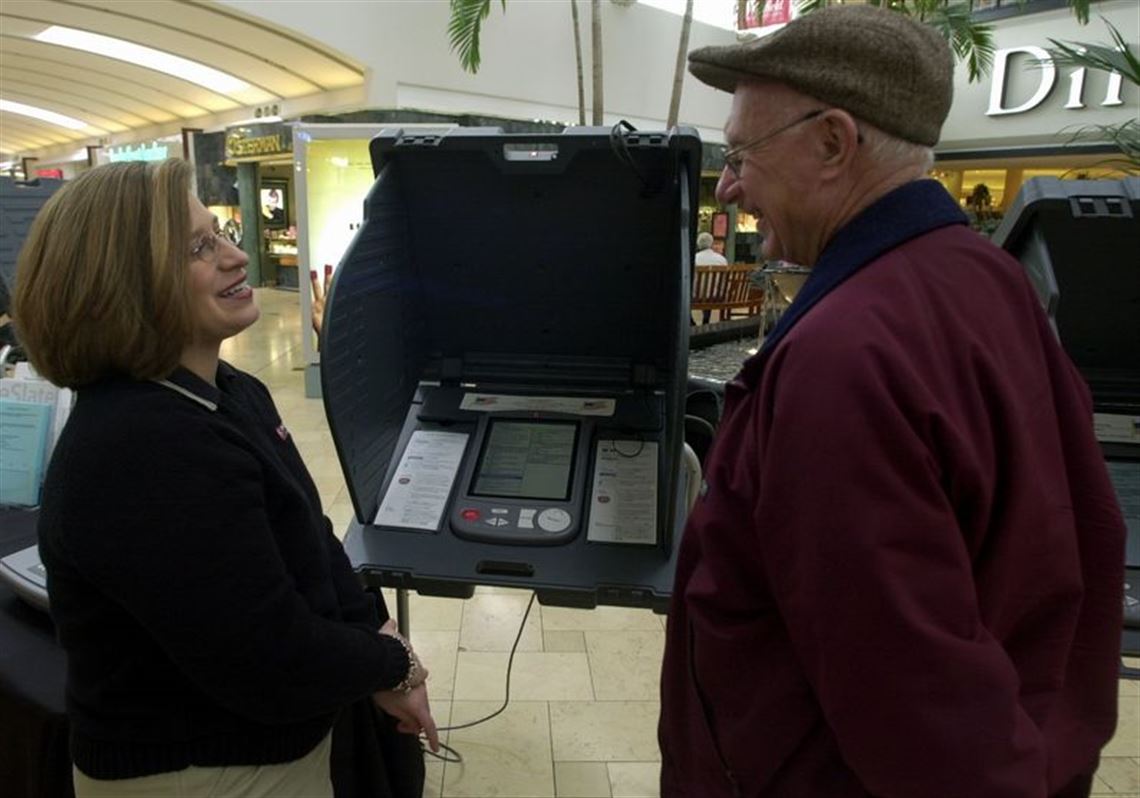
[(726, 289)]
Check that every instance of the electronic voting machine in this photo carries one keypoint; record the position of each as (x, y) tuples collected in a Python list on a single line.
[(1078, 240), (504, 362)]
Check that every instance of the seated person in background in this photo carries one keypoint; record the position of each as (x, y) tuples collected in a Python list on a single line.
[(707, 256), (213, 626)]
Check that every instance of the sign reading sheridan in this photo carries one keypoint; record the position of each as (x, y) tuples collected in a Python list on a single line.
[(256, 141)]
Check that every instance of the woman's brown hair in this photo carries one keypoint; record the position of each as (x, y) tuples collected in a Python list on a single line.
[(101, 279)]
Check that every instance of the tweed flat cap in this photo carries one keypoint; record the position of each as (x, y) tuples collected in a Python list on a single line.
[(883, 67)]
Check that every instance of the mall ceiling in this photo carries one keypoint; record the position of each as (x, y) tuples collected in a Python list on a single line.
[(112, 96)]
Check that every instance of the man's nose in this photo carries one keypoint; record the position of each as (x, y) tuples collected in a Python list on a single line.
[(727, 187)]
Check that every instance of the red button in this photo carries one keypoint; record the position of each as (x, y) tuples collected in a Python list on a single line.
[(470, 515)]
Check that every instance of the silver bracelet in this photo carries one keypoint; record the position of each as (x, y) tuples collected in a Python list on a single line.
[(406, 684)]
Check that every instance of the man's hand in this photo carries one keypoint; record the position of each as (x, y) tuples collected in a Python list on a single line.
[(319, 290)]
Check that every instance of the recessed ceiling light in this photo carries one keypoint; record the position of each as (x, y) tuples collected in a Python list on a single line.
[(139, 55), (42, 114)]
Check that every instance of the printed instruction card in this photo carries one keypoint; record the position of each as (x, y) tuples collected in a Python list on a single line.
[(417, 495), (623, 502)]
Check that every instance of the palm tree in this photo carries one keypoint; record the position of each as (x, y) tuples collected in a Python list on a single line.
[(466, 24), (971, 41), (1119, 58), (464, 27), (679, 72), (578, 63), (596, 47)]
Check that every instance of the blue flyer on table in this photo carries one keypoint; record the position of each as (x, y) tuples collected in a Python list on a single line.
[(24, 430)]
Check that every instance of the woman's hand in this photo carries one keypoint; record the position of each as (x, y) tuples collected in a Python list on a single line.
[(419, 673), (412, 711)]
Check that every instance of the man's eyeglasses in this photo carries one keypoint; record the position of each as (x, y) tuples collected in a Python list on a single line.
[(734, 158)]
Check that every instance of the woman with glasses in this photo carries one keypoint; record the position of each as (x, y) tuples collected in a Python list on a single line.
[(213, 626)]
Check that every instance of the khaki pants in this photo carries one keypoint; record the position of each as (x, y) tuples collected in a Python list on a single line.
[(307, 777)]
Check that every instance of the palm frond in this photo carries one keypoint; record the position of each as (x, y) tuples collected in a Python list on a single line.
[(809, 6), (1080, 10), (1124, 136), (464, 27), (1119, 58), (971, 41)]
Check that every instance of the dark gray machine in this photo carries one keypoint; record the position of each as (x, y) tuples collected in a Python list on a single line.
[(19, 204), (1080, 241), (504, 363)]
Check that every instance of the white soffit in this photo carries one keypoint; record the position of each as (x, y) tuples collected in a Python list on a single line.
[(113, 96)]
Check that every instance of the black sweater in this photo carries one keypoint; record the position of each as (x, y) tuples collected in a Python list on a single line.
[(209, 615)]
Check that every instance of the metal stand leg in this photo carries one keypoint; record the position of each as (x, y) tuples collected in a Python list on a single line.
[(403, 616)]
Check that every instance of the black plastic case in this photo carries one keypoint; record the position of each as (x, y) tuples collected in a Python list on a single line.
[(553, 264), (1080, 241), (19, 204)]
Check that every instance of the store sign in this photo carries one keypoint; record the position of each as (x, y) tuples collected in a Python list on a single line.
[(148, 151), (776, 12), (1038, 61), (253, 142)]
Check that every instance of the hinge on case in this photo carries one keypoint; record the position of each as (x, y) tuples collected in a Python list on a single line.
[(1095, 207), (643, 375), (451, 370)]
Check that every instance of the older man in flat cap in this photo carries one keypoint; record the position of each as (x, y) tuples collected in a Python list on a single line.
[(903, 576)]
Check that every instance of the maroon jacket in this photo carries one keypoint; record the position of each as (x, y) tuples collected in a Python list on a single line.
[(904, 575)]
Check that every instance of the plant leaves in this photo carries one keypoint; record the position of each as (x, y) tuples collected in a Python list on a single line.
[(463, 30)]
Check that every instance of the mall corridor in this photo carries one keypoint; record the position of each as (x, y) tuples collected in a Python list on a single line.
[(583, 711)]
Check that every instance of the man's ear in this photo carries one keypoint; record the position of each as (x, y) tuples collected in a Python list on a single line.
[(839, 139)]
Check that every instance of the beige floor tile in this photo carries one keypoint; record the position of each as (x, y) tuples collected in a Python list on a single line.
[(1100, 787), (1126, 741), (309, 438), (1129, 687), (581, 780), (626, 665), (433, 779), (433, 766), (322, 463), (535, 676), (341, 514), (508, 755), (430, 613), (563, 641), (498, 590), (635, 779), (604, 731), (491, 623), (437, 651), (561, 619), (1121, 774), (441, 711)]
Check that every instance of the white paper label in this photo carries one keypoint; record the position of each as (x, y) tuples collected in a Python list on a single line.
[(503, 403), (623, 502), (1115, 428), (418, 492)]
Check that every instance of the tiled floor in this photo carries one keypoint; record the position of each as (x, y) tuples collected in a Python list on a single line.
[(583, 712)]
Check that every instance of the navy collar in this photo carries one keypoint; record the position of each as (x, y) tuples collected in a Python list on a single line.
[(898, 216), (193, 387)]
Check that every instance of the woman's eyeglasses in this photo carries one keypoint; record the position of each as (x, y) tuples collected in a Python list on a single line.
[(206, 248)]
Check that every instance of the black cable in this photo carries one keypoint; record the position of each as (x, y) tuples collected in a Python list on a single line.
[(620, 453), (621, 150), (506, 699)]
